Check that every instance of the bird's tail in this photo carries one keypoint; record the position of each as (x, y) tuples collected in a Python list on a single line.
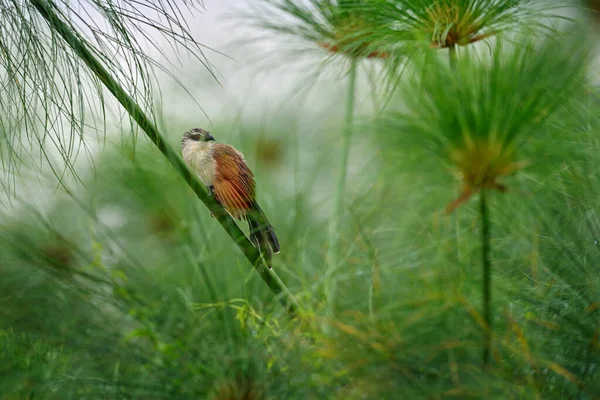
[(262, 233)]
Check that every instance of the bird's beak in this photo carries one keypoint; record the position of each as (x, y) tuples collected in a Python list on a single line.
[(209, 137)]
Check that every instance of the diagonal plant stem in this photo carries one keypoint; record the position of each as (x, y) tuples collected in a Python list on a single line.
[(46, 8), (333, 253), (487, 275)]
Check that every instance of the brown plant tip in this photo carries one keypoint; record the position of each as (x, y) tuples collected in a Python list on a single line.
[(351, 37), (463, 26), (58, 252), (270, 151), (481, 164), (162, 223), (239, 389), (468, 192), (452, 42), (465, 195), (360, 52), (594, 8)]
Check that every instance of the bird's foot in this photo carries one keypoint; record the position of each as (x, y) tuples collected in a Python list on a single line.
[(211, 189)]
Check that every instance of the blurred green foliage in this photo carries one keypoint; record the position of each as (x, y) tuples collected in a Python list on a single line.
[(124, 287)]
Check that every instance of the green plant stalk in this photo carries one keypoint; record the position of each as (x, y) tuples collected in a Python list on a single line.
[(455, 220), (333, 253), (46, 8), (487, 275), (452, 55)]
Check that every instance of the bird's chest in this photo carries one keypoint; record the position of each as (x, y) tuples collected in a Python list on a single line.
[(202, 162)]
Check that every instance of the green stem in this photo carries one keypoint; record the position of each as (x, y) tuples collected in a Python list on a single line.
[(47, 10), (333, 253), (452, 56), (487, 275)]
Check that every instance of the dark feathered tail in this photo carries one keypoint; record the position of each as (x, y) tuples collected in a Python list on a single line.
[(262, 233)]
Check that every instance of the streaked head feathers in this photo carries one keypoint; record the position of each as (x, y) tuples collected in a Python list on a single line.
[(198, 134)]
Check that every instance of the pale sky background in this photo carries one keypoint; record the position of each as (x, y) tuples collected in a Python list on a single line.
[(253, 84), (242, 85), (260, 84)]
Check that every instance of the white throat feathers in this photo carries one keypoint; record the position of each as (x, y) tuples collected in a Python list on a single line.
[(199, 156)]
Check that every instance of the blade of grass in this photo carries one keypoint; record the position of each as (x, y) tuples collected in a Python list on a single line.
[(46, 10), (333, 253)]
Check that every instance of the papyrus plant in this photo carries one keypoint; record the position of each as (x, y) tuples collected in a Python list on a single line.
[(478, 116), (448, 24), (346, 30)]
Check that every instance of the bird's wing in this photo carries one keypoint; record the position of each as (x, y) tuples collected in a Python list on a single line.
[(234, 182)]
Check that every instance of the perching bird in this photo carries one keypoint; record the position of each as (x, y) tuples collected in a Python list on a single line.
[(224, 171)]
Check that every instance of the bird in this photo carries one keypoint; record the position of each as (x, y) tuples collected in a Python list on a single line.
[(224, 171)]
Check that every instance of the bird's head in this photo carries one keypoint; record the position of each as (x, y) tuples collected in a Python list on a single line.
[(197, 135)]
